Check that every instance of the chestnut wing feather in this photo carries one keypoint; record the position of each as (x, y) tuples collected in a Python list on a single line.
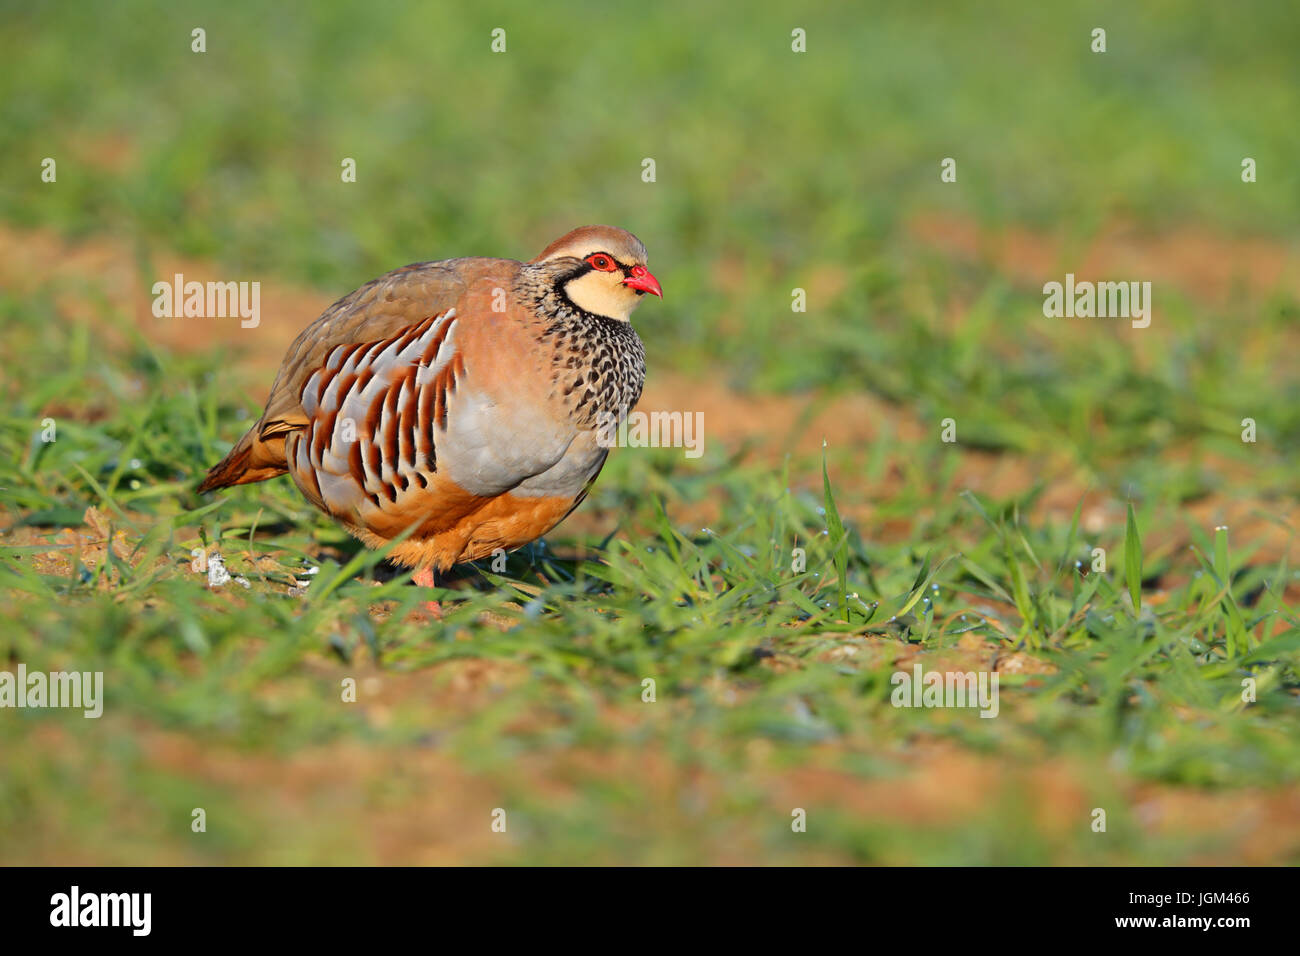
[(374, 312)]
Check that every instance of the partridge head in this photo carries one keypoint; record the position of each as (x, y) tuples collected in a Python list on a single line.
[(599, 270)]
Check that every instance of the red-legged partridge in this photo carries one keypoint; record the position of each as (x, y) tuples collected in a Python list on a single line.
[(460, 397)]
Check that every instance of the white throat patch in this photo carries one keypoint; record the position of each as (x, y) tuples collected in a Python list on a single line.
[(603, 293)]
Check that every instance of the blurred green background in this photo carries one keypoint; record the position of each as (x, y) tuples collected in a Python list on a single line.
[(775, 170), (770, 165)]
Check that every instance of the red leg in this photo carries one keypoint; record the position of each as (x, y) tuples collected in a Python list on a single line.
[(424, 578)]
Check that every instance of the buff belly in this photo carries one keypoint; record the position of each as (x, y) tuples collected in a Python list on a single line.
[(505, 522)]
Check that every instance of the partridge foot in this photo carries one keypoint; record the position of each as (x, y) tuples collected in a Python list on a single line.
[(424, 578)]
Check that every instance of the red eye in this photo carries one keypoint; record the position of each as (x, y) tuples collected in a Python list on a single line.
[(602, 262)]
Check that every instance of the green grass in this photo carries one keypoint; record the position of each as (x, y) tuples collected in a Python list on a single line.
[(772, 684), (741, 648)]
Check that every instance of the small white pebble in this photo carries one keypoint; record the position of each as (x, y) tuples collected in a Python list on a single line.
[(217, 573)]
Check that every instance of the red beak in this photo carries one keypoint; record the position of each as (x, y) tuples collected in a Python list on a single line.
[(643, 281)]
